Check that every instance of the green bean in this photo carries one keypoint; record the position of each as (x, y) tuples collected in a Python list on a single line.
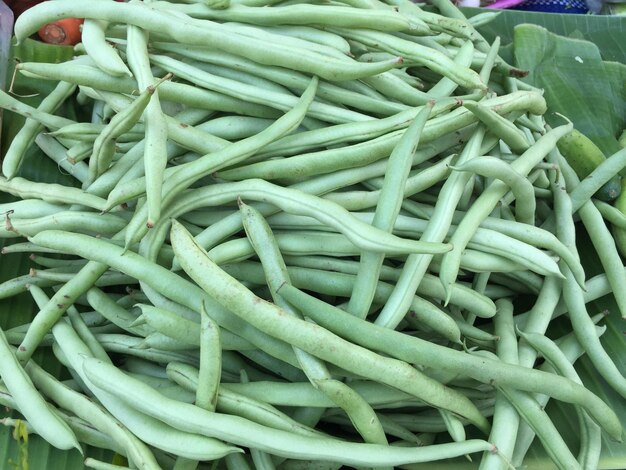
[(585, 333), (35, 114), (75, 221), (538, 419), (500, 126), (522, 189), (387, 209), (29, 208), (414, 350), (76, 321), (481, 19), (31, 404), (160, 342), (505, 418), (58, 304), (114, 313), (88, 132), (50, 192), (101, 52), (210, 363), (340, 284), (393, 88), (235, 127), (612, 215), (203, 33), (107, 278), (57, 153), (446, 86), (311, 34), (90, 462), (487, 200), (14, 155), (266, 34), (381, 20), (589, 185), (303, 394), (155, 150), (247, 433), (20, 284), (452, 11)]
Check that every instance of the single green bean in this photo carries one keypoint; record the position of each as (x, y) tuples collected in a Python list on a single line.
[(39, 115), (387, 209), (500, 126), (597, 178), (303, 14), (53, 149), (430, 58), (101, 52), (155, 150), (50, 192)]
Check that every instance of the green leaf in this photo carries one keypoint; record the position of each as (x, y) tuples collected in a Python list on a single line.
[(606, 32), (576, 82)]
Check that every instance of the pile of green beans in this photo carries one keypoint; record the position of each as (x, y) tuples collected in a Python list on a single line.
[(301, 235)]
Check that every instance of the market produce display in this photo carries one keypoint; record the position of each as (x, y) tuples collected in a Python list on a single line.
[(304, 235)]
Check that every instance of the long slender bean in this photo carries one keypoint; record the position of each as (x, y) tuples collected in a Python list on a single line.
[(387, 209)]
